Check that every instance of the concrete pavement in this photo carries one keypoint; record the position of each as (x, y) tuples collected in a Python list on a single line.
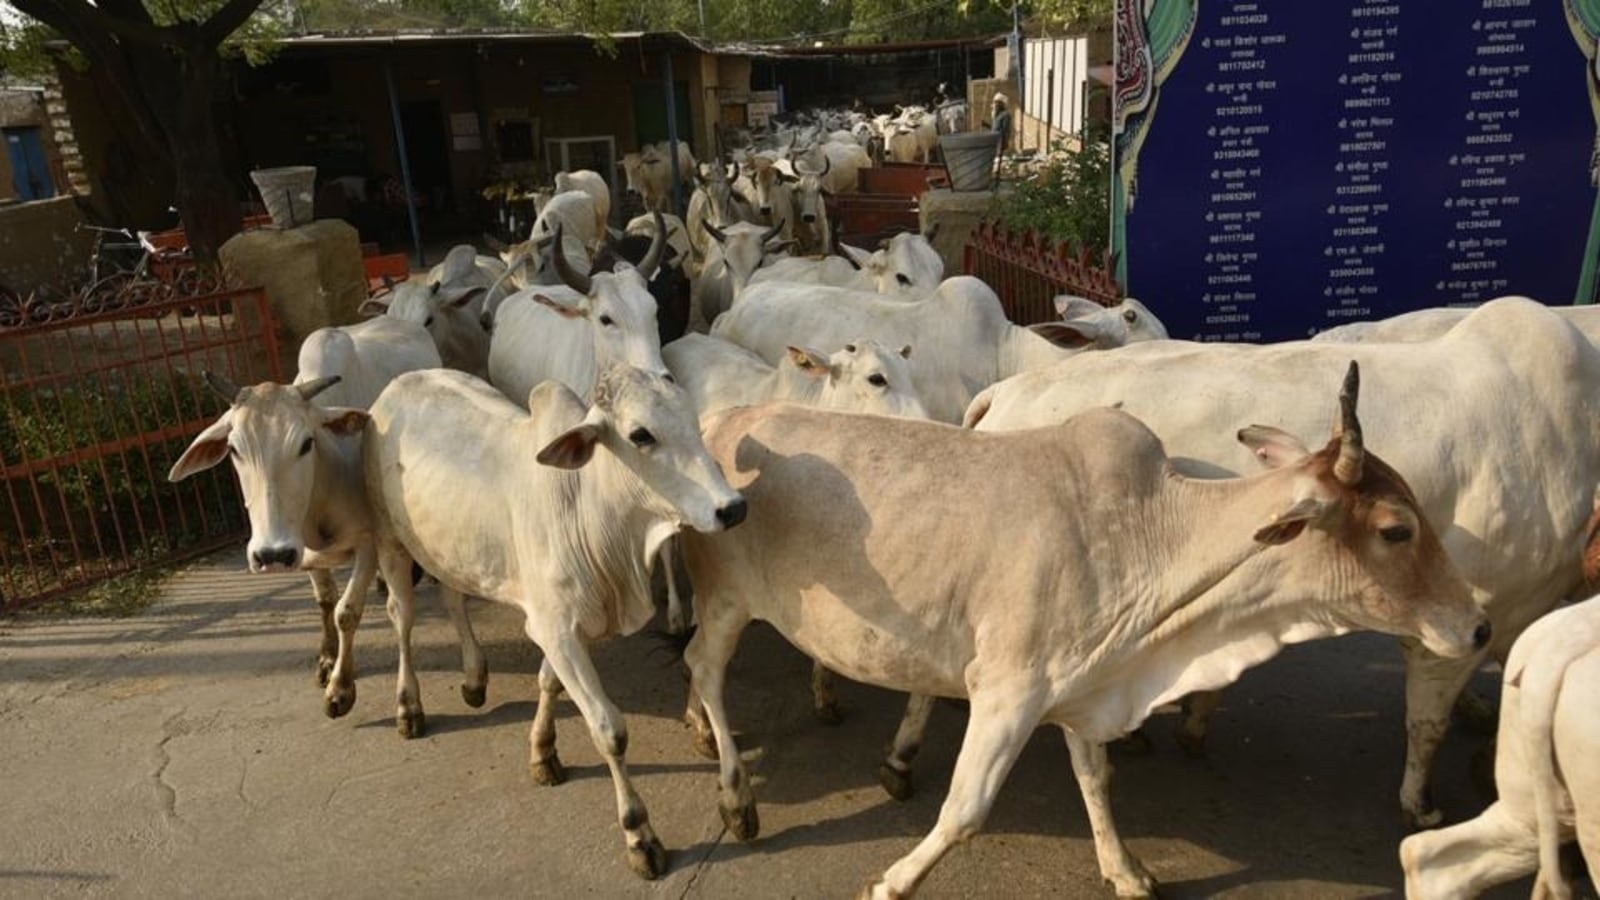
[(184, 753)]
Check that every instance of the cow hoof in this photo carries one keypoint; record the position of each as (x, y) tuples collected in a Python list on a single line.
[(549, 772), (324, 671), (339, 701), (877, 890), (475, 695), (743, 822), (1134, 743), (896, 783), (1193, 744), (411, 724), (1143, 889), (1420, 821), (827, 713), (705, 745), (649, 859)]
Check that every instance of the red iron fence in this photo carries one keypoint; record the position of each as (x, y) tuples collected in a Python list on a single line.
[(1028, 271), (99, 395)]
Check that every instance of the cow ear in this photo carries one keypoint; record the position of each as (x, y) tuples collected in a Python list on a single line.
[(1071, 335), (809, 361), (209, 448), (1287, 525), (572, 449), (344, 421), (861, 257), (372, 307), (461, 297), (460, 261), (570, 312), (1274, 447), (1070, 307)]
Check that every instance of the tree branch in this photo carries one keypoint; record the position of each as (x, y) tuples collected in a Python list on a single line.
[(70, 16), (227, 20)]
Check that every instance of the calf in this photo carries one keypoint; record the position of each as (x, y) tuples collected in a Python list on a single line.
[(1122, 584), (1547, 771), (556, 510), (296, 450)]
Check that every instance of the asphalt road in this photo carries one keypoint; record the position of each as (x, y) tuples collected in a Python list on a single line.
[(184, 753)]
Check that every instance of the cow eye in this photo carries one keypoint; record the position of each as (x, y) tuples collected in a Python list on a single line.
[(1395, 534), (1130, 316), (641, 437), (849, 348), (669, 379), (428, 323), (233, 451), (901, 277), (877, 380), (607, 320), (305, 446)]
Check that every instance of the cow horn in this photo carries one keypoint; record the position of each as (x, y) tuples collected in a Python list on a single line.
[(827, 163), (312, 388), (569, 276), (714, 231), (735, 176), (224, 388), (1351, 452), (772, 232), (652, 258)]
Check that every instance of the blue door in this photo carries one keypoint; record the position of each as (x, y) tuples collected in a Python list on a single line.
[(30, 175)]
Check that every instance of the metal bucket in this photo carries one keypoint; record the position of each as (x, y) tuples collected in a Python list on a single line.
[(287, 192), (969, 158)]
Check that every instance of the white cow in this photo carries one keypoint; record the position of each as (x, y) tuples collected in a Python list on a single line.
[(1547, 771), (1122, 585), (735, 254), (906, 266), (570, 214), (296, 450), (556, 510), (964, 341), (649, 173), (1425, 324), (570, 333), (715, 200), (863, 376), (452, 306), (813, 232), (593, 184), (1497, 424), (773, 199), (901, 143)]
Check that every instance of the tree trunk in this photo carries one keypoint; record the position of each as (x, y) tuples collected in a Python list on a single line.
[(206, 197)]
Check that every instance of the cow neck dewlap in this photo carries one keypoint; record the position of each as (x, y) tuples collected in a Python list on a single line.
[(606, 535), (1217, 609)]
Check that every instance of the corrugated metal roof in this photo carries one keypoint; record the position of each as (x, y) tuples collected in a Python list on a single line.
[(406, 36)]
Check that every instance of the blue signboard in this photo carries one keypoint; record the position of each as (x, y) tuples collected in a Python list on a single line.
[(1285, 167)]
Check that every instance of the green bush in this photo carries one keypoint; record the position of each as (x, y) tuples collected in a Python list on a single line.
[(55, 421), (1069, 197)]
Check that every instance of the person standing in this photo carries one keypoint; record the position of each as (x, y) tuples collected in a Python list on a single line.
[(1002, 121)]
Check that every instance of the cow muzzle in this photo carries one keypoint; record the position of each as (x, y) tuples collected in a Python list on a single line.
[(732, 514), (274, 559)]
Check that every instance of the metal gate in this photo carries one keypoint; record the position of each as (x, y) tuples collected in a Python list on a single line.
[(98, 397), (1029, 270)]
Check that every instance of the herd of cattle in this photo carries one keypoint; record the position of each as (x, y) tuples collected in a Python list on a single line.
[(550, 429)]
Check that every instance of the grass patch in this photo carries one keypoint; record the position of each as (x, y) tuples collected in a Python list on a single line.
[(116, 598)]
